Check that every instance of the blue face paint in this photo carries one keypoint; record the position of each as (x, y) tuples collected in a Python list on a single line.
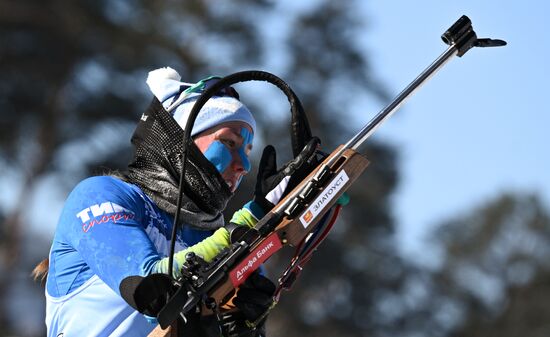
[(247, 140), (220, 156)]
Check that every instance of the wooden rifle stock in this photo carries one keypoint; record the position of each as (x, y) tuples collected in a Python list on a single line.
[(290, 229), (293, 229)]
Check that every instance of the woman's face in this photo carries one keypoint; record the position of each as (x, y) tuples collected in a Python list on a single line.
[(227, 146)]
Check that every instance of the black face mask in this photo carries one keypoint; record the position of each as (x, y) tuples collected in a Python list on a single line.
[(156, 169)]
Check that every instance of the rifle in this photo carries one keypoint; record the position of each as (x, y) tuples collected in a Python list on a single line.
[(301, 218)]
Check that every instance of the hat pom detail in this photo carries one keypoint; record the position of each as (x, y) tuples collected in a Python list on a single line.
[(163, 73)]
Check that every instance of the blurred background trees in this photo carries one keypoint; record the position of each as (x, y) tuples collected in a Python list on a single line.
[(73, 87)]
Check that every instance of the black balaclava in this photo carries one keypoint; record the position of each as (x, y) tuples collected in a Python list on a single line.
[(156, 169)]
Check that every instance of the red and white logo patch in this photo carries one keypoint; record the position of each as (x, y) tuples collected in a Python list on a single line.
[(255, 259)]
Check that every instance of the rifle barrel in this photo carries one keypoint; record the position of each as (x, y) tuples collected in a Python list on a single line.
[(374, 123), (460, 37), (370, 127)]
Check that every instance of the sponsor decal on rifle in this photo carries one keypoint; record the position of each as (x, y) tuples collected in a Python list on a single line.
[(101, 213), (258, 256), (308, 216), (324, 198)]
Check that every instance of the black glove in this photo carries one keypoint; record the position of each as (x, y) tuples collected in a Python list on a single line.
[(272, 184), (255, 296), (253, 301)]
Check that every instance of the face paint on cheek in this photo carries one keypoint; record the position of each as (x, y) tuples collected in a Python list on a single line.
[(248, 137), (218, 155), (244, 159)]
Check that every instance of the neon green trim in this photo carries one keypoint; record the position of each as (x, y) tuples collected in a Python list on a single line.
[(244, 217), (209, 247), (206, 249)]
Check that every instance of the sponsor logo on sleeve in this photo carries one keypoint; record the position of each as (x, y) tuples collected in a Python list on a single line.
[(324, 198), (102, 213)]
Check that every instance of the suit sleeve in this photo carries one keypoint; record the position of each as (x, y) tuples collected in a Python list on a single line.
[(214, 244), (103, 224)]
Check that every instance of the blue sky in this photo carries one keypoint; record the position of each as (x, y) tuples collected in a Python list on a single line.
[(478, 127)]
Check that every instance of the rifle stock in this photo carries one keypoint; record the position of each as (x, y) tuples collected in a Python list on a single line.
[(344, 167), (346, 170), (293, 229)]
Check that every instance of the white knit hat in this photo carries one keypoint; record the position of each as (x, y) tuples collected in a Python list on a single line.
[(166, 86)]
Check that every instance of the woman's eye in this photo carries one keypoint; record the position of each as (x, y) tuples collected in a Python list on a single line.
[(229, 143)]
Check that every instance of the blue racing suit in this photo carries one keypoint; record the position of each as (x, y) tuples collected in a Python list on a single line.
[(108, 230)]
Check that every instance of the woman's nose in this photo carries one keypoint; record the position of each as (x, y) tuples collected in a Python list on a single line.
[(240, 161)]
